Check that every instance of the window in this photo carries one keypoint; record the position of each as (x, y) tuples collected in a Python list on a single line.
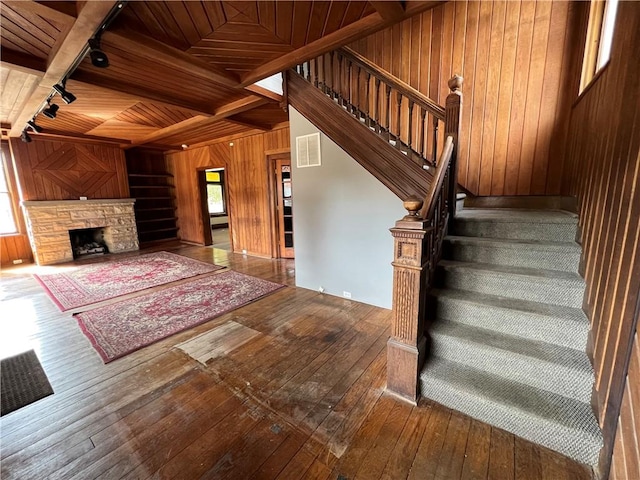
[(215, 192), (7, 217), (602, 18)]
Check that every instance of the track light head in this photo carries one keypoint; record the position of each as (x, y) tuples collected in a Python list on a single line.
[(98, 57), (51, 111), (36, 128), (68, 97), (25, 137)]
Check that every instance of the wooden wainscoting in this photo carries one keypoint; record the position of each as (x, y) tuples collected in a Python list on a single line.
[(518, 61), (49, 170), (15, 247), (603, 171)]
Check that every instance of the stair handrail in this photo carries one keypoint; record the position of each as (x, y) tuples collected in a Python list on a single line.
[(428, 208), (404, 88)]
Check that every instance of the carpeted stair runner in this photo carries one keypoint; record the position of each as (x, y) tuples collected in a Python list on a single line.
[(509, 336)]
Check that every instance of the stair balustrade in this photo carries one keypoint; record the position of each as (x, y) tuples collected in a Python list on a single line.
[(408, 121)]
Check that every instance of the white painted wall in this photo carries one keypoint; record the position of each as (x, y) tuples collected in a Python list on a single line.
[(341, 220)]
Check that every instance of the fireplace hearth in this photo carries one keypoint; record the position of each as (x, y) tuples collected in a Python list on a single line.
[(87, 241), (50, 221)]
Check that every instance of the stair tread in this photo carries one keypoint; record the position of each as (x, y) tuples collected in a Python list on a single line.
[(527, 411), (516, 215), (495, 301), (515, 243), (511, 270), (513, 345)]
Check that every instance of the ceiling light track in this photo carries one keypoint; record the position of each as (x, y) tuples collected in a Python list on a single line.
[(98, 59)]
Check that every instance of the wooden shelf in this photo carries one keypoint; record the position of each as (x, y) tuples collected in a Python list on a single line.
[(151, 186), (151, 220), (153, 198), (153, 209), (156, 230), (151, 175)]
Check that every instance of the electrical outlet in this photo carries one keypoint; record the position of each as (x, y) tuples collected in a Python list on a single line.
[(83, 198), (17, 262), (244, 251), (346, 294), (321, 289)]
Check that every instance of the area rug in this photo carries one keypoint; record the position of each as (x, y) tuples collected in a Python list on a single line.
[(121, 328), (23, 382), (102, 281)]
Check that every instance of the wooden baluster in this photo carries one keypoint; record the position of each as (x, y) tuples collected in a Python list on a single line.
[(367, 100), (452, 121), (332, 89), (358, 103), (423, 115), (434, 154), (407, 345), (315, 72), (410, 134), (398, 108), (376, 105), (350, 90), (388, 112), (340, 78)]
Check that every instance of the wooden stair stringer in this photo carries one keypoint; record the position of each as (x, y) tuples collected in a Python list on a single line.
[(391, 167)]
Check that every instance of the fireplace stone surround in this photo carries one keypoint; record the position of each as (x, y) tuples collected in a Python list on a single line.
[(49, 222)]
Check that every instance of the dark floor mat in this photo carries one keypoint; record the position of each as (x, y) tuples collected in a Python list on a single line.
[(23, 381)]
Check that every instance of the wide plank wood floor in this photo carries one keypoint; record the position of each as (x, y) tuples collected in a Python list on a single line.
[(288, 387)]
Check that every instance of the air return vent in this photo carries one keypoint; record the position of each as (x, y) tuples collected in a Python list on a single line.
[(308, 148)]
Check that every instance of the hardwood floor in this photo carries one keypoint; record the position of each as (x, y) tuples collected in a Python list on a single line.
[(297, 393)]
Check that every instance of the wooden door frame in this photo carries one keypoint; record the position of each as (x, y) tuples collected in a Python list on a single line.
[(202, 192), (270, 158)]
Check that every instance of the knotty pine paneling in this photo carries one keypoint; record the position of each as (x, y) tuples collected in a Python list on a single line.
[(247, 188), (603, 172), (15, 247), (48, 170), (517, 59)]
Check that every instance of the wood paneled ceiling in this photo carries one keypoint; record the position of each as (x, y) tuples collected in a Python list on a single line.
[(180, 71)]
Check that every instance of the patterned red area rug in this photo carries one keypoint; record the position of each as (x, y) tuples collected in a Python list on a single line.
[(102, 281), (124, 327)]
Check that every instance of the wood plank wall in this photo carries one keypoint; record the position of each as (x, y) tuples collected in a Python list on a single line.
[(603, 171), (519, 61), (49, 170), (626, 454), (247, 184), (14, 247)]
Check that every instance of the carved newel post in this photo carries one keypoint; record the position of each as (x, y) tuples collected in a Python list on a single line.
[(407, 345)]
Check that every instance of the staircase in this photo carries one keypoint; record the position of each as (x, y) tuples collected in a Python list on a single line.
[(508, 335), (497, 290)]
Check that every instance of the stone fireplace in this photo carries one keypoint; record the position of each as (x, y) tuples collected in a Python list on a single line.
[(49, 223)]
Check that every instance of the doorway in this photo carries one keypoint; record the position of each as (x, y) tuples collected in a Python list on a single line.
[(282, 201), (215, 208)]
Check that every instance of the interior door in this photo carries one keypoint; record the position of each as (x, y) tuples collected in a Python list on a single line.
[(284, 206)]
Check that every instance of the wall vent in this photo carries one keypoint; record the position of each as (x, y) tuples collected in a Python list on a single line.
[(308, 150)]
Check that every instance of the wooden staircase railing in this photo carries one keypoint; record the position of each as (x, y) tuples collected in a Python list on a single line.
[(409, 122), (406, 118)]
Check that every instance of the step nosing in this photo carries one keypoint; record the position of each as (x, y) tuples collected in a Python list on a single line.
[(546, 274)]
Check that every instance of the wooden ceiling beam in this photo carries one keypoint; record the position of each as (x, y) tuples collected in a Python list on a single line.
[(89, 20), (249, 123), (354, 31), (389, 10), (128, 41), (263, 92), (221, 113), (22, 62)]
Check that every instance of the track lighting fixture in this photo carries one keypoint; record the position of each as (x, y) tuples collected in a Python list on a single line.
[(98, 57), (25, 136), (32, 124), (68, 97), (51, 111)]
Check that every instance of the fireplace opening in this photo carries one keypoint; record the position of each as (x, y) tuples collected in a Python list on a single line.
[(88, 241)]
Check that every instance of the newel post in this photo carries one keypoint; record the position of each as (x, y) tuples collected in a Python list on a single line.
[(452, 122), (407, 345)]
